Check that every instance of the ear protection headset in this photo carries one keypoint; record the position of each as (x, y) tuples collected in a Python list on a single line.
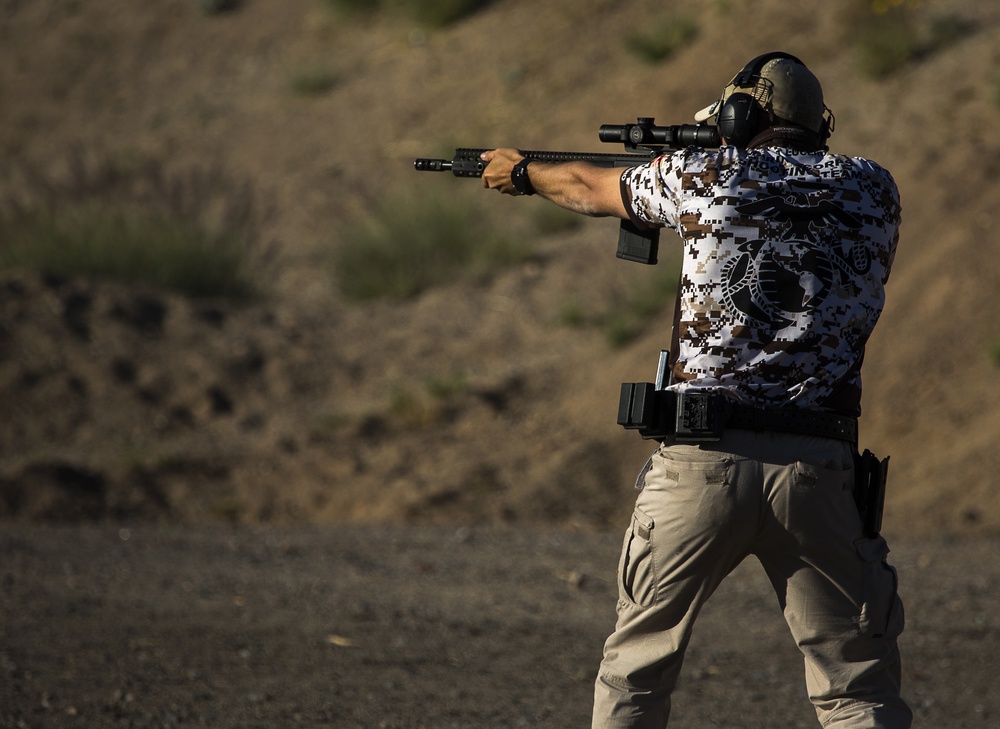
[(742, 116), (740, 119)]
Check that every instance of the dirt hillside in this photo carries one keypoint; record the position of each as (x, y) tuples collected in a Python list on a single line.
[(132, 403)]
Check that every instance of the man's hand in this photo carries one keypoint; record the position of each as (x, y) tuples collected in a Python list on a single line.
[(496, 176)]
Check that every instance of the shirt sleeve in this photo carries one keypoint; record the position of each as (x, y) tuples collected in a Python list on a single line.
[(649, 191)]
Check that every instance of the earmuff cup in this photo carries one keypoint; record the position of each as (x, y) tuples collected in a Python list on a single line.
[(740, 119)]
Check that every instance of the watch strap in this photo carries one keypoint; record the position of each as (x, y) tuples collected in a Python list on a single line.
[(519, 178)]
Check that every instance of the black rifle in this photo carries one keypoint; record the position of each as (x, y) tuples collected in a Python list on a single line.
[(644, 141)]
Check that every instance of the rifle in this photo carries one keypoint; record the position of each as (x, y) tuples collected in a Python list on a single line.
[(644, 141)]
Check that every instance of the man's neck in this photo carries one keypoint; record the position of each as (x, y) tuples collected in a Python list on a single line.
[(797, 138)]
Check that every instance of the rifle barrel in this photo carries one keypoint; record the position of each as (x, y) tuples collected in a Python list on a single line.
[(432, 165)]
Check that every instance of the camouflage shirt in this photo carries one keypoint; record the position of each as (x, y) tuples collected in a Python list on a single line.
[(786, 255)]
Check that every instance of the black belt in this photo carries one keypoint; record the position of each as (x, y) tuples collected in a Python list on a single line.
[(793, 420), (692, 416)]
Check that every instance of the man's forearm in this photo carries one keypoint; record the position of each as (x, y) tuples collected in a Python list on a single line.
[(578, 186)]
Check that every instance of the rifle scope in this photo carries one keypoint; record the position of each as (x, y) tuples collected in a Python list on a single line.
[(644, 133)]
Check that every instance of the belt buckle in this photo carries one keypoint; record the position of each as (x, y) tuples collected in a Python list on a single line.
[(700, 416)]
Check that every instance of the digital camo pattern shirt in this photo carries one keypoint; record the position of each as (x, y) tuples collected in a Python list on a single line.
[(786, 255)]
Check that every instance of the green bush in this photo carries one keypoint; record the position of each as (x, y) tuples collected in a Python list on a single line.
[(313, 81), (663, 39), (624, 315), (642, 305), (890, 34), (131, 245), (192, 233), (428, 403), (433, 13), (994, 353), (437, 13), (415, 242), (217, 7), (946, 30), (353, 7), (885, 46), (551, 219)]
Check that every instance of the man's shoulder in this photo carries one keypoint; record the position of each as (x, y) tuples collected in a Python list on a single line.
[(862, 164), (698, 167)]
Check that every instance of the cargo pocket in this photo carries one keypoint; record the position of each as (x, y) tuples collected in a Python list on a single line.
[(637, 571), (882, 610)]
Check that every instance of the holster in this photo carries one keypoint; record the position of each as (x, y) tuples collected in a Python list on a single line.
[(870, 476)]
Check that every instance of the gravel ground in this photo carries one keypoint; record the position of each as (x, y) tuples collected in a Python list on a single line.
[(351, 626)]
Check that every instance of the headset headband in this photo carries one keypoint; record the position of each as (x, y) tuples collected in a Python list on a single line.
[(746, 77)]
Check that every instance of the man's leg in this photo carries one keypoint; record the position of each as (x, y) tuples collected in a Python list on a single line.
[(693, 523), (837, 592)]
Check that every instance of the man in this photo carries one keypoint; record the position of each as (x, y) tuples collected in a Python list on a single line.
[(787, 248)]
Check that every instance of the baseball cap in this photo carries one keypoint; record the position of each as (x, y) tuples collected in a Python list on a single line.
[(783, 85)]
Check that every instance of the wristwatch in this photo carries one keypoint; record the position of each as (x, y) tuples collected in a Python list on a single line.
[(519, 178)]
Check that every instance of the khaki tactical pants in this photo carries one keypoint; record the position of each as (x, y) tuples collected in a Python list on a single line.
[(787, 499)]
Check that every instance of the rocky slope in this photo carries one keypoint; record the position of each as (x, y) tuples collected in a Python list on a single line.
[(132, 403)]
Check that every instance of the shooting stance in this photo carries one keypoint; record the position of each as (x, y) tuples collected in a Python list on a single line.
[(787, 248)]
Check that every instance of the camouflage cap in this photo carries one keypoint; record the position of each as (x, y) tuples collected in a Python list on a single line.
[(786, 88)]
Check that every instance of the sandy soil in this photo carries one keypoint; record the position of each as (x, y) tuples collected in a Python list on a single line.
[(242, 627)]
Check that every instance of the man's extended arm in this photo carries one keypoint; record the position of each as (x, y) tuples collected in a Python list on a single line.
[(578, 186)]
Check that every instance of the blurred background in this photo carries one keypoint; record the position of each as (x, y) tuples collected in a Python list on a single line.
[(226, 295)]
